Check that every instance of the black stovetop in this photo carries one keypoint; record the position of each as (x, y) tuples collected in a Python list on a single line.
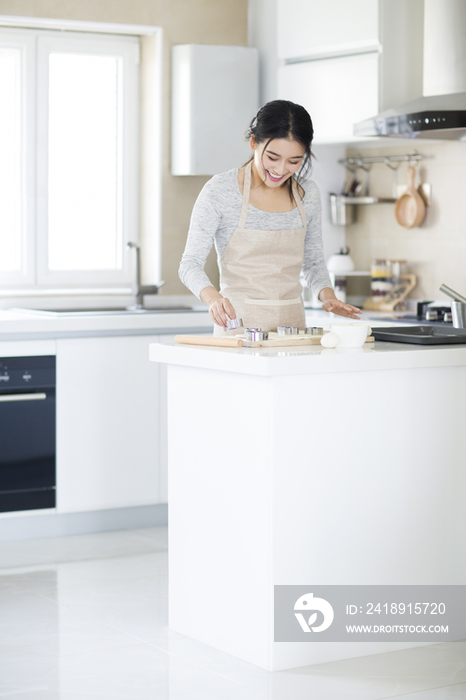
[(421, 335)]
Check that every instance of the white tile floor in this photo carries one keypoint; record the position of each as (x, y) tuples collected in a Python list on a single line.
[(86, 617)]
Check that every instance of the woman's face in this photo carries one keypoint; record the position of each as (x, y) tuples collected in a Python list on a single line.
[(276, 161)]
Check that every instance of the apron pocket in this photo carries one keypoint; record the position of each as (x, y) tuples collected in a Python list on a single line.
[(268, 314)]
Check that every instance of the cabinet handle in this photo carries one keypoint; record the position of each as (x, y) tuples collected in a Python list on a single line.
[(22, 397)]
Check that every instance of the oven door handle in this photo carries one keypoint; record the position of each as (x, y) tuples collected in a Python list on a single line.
[(22, 397)]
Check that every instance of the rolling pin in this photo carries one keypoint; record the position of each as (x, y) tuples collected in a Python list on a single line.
[(216, 342)]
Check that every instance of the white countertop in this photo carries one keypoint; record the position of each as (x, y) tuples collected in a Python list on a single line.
[(24, 324), (310, 359), (18, 324)]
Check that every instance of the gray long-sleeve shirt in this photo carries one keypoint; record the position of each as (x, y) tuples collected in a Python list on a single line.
[(216, 215)]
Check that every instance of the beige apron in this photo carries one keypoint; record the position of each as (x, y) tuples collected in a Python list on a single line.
[(259, 271)]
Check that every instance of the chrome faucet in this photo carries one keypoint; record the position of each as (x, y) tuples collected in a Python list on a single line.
[(140, 289)]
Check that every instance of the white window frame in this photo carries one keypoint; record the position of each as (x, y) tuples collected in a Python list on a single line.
[(128, 48), (25, 42), (27, 284)]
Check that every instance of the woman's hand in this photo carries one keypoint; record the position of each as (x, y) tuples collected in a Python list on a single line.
[(220, 308), (335, 306)]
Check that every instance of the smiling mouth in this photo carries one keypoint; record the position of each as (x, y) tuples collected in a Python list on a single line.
[(275, 178)]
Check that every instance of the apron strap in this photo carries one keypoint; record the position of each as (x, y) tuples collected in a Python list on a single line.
[(246, 190), (299, 203)]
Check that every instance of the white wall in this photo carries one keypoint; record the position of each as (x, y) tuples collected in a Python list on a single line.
[(329, 176)]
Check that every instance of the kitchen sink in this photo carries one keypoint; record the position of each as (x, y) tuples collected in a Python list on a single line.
[(108, 310)]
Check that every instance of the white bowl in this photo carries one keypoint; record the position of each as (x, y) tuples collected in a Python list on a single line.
[(352, 335)]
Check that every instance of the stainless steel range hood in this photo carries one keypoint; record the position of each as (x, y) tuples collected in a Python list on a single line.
[(433, 117), (441, 113)]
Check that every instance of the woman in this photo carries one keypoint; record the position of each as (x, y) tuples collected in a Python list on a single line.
[(266, 228)]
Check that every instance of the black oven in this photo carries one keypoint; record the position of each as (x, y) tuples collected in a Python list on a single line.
[(27, 433)]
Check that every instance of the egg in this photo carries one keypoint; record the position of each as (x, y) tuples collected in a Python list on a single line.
[(329, 340)]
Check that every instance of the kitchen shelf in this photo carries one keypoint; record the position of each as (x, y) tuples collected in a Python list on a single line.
[(341, 216), (342, 199), (353, 273), (358, 161)]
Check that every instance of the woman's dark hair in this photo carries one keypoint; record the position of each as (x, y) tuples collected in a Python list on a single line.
[(281, 119)]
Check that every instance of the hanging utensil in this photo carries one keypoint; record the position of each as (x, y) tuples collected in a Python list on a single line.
[(367, 170), (354, 187), (410, 208), (394, 169)]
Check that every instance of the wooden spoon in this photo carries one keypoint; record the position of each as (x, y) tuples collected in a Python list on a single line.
[(410, 208)]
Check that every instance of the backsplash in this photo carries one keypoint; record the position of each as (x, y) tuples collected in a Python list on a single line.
[(436, 251)]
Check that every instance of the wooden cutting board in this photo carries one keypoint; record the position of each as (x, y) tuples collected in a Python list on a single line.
[(238, 341)]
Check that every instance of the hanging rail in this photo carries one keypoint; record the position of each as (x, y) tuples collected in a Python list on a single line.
[(359, 160)]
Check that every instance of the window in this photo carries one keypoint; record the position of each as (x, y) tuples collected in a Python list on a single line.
[(10, 181), (68, 158)]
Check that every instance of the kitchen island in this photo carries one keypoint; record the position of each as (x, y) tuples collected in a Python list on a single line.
[(307, 466)]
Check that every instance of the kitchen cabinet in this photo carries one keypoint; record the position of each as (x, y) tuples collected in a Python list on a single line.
[(324, 86), (215, 94), (346, 62), (107, 423), (312, 28), (111, 411), (22, 348)]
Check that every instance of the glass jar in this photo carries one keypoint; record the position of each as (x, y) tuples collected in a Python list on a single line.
[(381, 278), (398, 270)]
